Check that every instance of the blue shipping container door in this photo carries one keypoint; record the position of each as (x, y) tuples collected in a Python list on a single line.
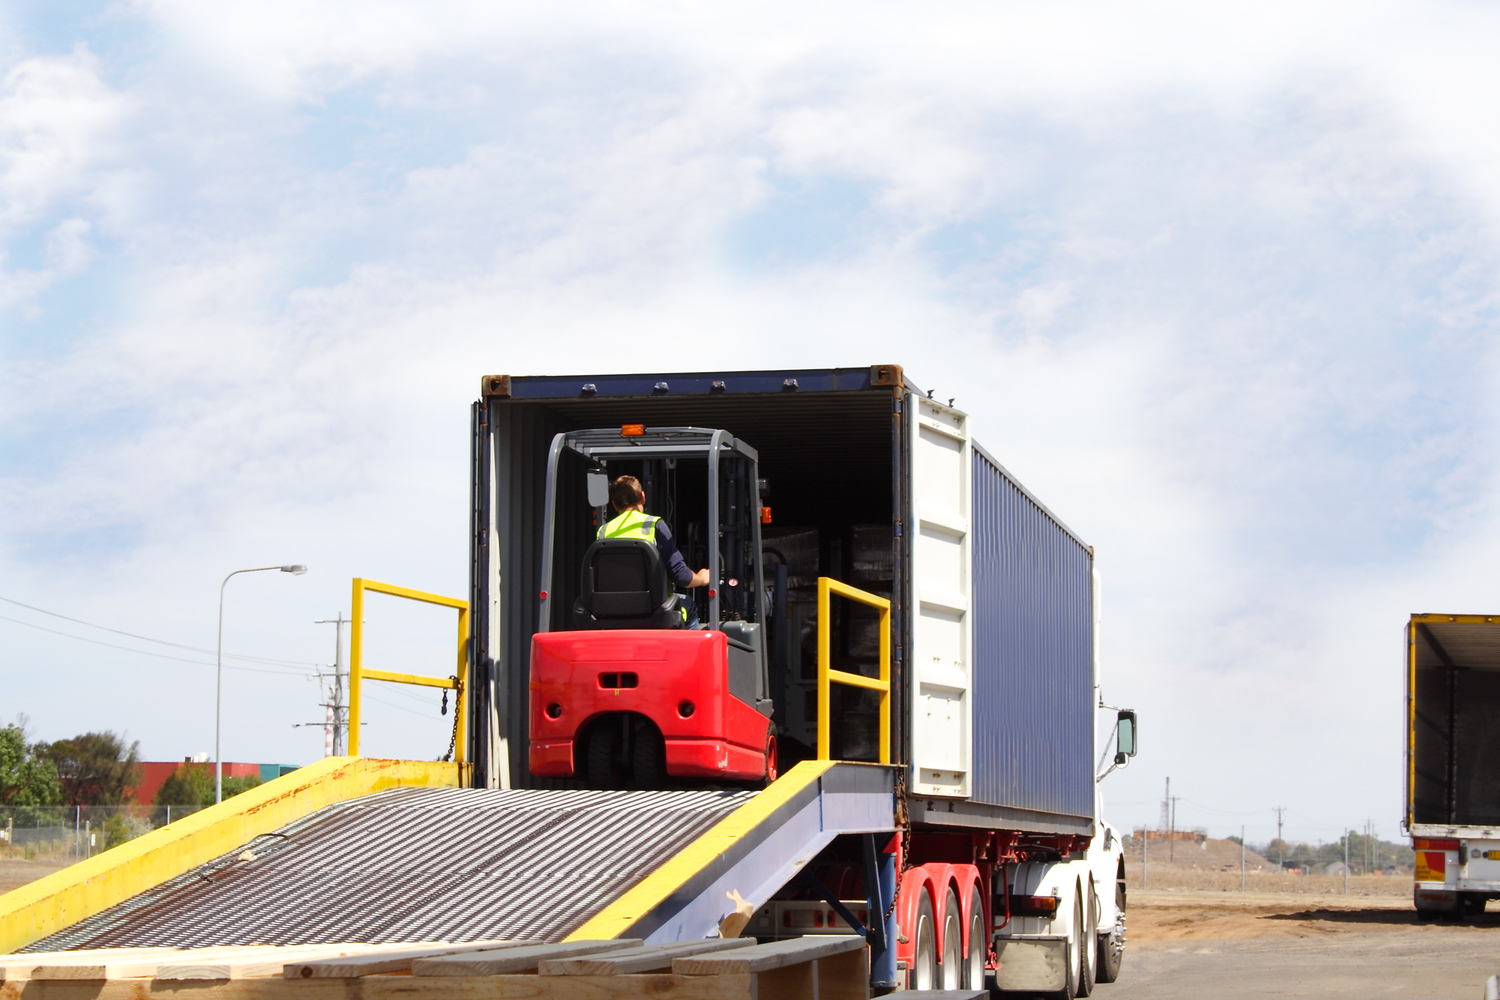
[(1033, 652)]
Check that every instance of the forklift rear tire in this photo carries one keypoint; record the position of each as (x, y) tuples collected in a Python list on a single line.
[(772, 769), (604, 759), (648, 764)]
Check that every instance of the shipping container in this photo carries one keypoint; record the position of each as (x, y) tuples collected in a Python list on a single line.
[(872, 482)]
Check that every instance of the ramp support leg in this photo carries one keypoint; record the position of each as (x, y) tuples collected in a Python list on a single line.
[(880, 877)]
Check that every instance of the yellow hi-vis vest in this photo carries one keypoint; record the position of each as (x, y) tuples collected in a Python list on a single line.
[(631, 524)]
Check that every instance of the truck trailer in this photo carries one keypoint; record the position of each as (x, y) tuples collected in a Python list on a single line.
[(1452, 779), (907, 604)]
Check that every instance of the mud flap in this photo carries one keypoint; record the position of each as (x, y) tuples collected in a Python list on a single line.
[(1032, 965)]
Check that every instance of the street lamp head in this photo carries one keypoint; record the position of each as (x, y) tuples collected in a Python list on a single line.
[(296, 569)]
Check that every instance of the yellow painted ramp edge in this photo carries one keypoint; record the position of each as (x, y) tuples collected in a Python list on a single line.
[(63, 898), (647, 894)]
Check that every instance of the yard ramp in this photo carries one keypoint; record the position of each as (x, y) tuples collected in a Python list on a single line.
[(376, 851)]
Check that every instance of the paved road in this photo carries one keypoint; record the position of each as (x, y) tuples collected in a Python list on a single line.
[(1380, 965), (1197, 945)]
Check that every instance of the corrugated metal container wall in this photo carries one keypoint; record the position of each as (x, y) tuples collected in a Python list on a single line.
[(1033, 652)]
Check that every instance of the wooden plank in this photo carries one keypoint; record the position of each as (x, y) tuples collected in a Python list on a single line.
[(845, 976), (268, 963), (22, 966), (664, 986), (524, 958), (765, 957), (648, 959), (792, 982), (126, 963), (354, 966)]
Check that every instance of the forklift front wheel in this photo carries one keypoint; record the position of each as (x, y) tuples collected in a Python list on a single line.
[(772, 773)]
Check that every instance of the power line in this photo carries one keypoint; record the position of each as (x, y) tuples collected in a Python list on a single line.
[(160, 656), (147, 638)]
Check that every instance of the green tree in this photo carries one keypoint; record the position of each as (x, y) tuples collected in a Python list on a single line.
[(27, 777), (95, 769), (193, 785), (189, 785)]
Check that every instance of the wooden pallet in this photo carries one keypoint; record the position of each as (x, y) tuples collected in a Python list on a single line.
[(810, 968)]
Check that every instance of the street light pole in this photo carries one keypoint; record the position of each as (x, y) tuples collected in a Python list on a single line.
[(296, 569)]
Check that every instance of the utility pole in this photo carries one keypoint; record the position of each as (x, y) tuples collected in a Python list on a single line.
[(1242, 858), (1166, 816), (1172, 834), (1281, 844), (337, 725), (1145, 851)]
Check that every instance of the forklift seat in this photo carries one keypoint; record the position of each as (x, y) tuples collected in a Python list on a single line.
[(625, 586)]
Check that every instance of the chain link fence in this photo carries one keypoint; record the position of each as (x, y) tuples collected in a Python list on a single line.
[(64, 834)]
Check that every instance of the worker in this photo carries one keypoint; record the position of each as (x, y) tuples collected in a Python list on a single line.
[(632, 521)]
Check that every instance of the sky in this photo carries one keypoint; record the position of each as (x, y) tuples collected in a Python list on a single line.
[(1216, 282)]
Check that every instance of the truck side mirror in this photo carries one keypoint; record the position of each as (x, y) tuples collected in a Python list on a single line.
[(598, 489), (1125, 734)]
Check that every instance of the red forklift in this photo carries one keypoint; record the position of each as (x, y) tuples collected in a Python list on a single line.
[(630, 696)]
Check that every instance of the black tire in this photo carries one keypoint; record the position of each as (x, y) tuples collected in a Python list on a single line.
[(951, 962), (603, 764), (1088, 951), (924, 968), (1075, 939), (648, 758), (1112, 942), (979, 943)]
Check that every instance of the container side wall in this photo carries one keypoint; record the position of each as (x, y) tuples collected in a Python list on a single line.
[(521, 436), (1033, 708)]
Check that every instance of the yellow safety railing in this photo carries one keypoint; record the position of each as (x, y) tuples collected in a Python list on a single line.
[(827, 676), (358, 673)]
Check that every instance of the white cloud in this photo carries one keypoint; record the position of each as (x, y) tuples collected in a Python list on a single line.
[(1215, 285)]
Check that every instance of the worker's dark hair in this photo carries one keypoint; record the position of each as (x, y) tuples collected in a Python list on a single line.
[(625, 492)]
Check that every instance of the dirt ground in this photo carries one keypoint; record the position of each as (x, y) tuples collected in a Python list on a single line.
[(16, 872), (1192, 943)]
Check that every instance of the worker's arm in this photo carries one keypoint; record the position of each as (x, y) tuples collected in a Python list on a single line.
[(677, 567)]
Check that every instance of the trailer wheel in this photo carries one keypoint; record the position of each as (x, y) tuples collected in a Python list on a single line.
[(979, 943), (1112, 942), (924, 953), (951, 967)]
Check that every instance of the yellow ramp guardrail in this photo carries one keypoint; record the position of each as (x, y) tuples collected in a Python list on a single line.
[(827, 676), (63, 898), (358, 673)]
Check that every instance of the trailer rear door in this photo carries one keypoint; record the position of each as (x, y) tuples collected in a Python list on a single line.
[(940, 575)]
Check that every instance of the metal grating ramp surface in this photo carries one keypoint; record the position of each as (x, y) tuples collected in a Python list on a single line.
[(447, 864)]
